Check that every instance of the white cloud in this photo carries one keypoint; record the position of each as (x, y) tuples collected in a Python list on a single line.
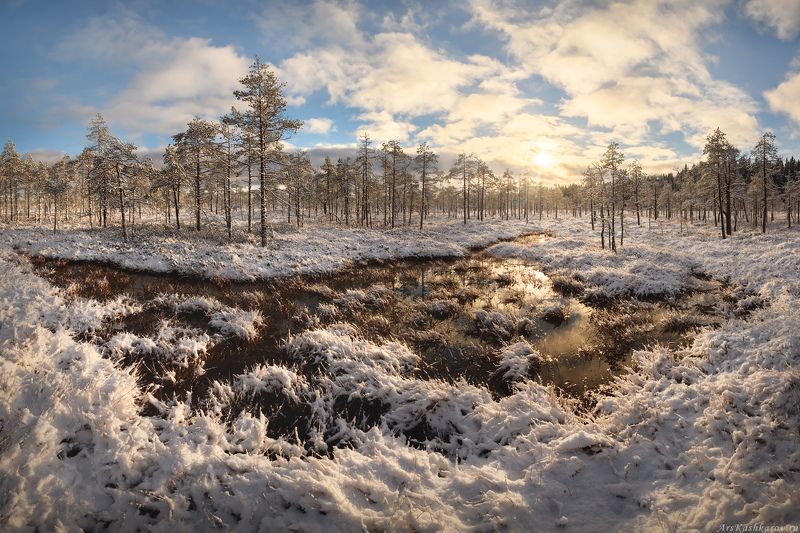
[(394, 78), (46, 155), (383, 126), (635, 67), (785, 98), (394, 73), (174, 79), (633, 70), (783, 16), (318, 125), (630, 71)]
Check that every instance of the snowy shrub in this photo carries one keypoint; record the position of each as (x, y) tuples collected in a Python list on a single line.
[(680, 323), (556, 313), (516, 361), (89, 316), (569, 285), (495, 324), (362, 299), (442, 308), (229, 321), (236, 322), (271, 378), (171, 346), (327, 311), (418, 320)]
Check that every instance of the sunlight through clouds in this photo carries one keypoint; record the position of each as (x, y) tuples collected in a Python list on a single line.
[(507, 77)]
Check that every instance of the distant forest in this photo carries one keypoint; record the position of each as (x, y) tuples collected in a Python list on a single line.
[(236, 168)]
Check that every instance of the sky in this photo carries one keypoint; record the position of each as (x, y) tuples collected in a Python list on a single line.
[(538, 87)]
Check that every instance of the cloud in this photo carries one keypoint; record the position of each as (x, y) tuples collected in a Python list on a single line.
[(393, 79), (785, 98), (306, 23), (318, 125), (193, 78), (383, 126), (635, 67), (783, 16), (173, 79), (46, 155), (393, 73), (633, 70)]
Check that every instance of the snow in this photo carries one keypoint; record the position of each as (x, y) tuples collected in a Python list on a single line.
[(313, 250), (171, 346), (87, 316), (689, 440), (229, 321), (516, 359)]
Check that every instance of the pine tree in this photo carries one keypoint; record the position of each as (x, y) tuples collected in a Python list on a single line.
[(196, 149), (426, 162), (265, 115), (765, 154), (612, 160)]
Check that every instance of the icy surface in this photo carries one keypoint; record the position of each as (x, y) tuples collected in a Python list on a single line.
[(692, 439)]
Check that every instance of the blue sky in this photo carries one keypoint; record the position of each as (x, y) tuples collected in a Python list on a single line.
[(538, 87)]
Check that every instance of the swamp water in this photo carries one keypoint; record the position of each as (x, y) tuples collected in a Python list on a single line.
[(458, 315)]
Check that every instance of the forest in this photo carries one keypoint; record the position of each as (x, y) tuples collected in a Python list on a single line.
[(236, 168)]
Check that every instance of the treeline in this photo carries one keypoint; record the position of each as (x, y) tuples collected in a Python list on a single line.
[(237, 168), (729, 186)]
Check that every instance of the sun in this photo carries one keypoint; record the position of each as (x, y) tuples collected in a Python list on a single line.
[(544, 159)]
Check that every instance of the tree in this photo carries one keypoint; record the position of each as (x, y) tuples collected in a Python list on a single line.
[(426, 162), (101, 143), (328, 171), (12, 170), (716, 148), (84, 165), (463, 168), (228, 164), (247, 149), (121, 157), (765, 154), (195, 147), (265, 115), (298, 173), (612, 159), (365, 164), (173, 176), (636, 176), (57, 184)]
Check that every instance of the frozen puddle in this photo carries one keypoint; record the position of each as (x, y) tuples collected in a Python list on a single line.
[(388, 344)]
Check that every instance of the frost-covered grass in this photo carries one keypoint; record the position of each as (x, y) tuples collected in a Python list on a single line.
[(516, 360), (314, 250), (691, 440)]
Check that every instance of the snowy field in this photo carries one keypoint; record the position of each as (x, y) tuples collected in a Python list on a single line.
[(688, 440), (290, 252)]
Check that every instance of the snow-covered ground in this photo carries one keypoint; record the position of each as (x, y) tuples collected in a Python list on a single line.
[(693, 439), (313, 250)]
